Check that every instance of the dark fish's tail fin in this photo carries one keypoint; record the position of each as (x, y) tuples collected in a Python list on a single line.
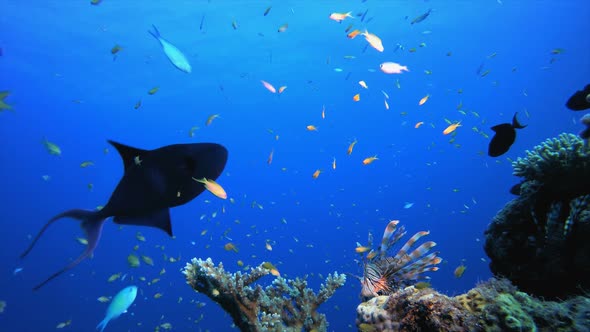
[(515, 122), (92, 222)]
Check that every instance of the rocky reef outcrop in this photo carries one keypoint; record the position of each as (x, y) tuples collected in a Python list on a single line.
[(541, 239)]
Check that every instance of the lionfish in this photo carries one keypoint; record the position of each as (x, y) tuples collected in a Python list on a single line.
[(384, 275)]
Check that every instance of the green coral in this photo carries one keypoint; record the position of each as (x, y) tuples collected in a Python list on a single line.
[(285, 305), (562, 155)]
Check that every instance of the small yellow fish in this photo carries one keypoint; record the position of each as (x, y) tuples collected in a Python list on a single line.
[(423, 100), (369, 160), (362, 249), (103, 299), (148, 260), (52, 148), (64, 324), (82, 240), (140, 237), (133, 261), (213, 187), (311, 128), (211, 118), (268, 246), (153, 90), (459, 271), (114, 277), (451, 128), (85, 164), (157, 295), (350, 147)]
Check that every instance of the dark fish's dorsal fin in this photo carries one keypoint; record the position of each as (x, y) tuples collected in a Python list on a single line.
[(515, 122), (127, 153), (159, 219)]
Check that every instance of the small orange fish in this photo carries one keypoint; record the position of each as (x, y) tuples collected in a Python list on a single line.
[(418, 124), (316, 174), (339, 17), (350, 147), (211, 118), (371, 254), (213, 187), (312, 128), (353, 34), (281, 89), (451, 128), (369, 160), (363, 84), (268, 246), (362, 250), (269, 86), (356, 97), (269, 160), (423, 100)]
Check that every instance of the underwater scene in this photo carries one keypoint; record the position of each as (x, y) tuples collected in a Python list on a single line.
[(359, 165)]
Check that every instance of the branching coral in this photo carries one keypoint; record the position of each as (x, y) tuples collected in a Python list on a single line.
[(285, 305), (566, 154)]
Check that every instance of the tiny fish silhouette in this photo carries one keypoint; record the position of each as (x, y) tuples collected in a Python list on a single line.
[(504, 137), (153, 182)]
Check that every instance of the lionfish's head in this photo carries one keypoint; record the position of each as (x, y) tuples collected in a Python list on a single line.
[(374, 282)]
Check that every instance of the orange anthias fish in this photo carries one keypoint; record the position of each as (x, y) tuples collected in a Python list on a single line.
[(356, 97), (418, 124), (451, 128), (350, 147), (213, 187), (281, 89), (316, 174), (353, 34), (312, 128), (373, 40), (339, 17), (423, 100), (362, 250), (269, 86), (369, 160)]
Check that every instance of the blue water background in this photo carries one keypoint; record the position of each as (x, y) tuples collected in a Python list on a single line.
[(66, 87)]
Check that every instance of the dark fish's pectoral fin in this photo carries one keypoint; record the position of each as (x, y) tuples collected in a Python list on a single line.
[(92, 223), (159, 219), (128, 153)]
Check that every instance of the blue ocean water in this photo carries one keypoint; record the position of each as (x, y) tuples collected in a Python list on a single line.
[(66, 86)]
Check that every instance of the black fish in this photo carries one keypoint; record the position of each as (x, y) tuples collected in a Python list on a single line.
[(580, 100), (153, 182), (504, 137)]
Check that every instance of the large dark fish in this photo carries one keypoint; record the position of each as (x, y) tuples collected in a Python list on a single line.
[(153, 182), (504, 136), (580, 100)]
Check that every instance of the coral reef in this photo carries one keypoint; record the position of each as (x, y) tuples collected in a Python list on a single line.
[(285, 305), (539, 240), (383, 275), (410, 309), (492, 306)]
